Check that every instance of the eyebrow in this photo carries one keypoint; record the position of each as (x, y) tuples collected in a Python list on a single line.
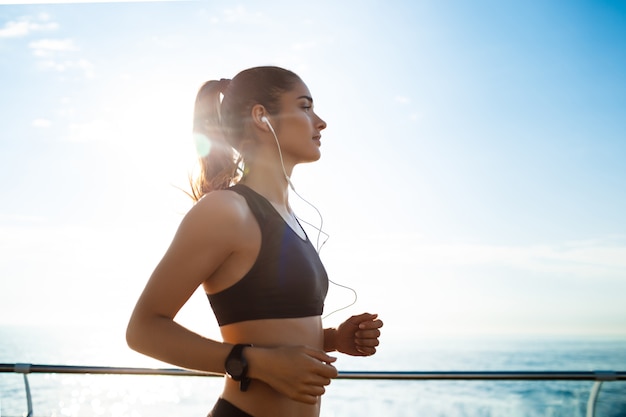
[(307, 97)]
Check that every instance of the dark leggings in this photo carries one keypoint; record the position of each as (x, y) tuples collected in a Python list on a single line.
[(225, 409)]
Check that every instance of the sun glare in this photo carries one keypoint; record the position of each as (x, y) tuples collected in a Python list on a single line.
[(203, 144), (151, 135)]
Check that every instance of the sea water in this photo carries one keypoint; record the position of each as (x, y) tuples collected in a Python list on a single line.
[(136, 396)]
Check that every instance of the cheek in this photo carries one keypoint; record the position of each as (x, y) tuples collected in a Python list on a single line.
[(309, 119), (301, 122)]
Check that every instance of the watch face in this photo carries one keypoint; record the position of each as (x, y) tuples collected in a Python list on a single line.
[(234, 367)]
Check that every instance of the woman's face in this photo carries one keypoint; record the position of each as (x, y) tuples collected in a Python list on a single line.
[(298, 127)]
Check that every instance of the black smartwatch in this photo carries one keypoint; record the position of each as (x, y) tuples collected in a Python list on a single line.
[(237, 367)]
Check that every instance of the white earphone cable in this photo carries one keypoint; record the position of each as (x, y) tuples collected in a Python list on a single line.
[(318, 246)]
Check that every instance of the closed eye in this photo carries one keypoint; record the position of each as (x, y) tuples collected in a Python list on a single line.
[(307, 102)]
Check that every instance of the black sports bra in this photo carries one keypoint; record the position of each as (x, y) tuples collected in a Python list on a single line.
[(287, 279)]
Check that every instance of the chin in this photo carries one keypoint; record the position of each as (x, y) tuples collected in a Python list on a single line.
[(312, 156), (315, 157)]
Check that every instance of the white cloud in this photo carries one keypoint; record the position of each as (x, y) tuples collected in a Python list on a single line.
[(237, 14), (582, 261), (416, 117), (602, 258), (403, 99), (52, 65), (96, 130), (49, 50), (240, 14), (84, 65), (19, 218), (66, 65), (49, 47), (25, 26), (87, 67), (42, 123)]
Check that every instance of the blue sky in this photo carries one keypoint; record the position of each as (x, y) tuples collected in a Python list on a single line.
[(472, 178)]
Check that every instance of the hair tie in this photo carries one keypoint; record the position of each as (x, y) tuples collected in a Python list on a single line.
[(223, 84)]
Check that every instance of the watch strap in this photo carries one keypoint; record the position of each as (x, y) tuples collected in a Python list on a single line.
[(236, 353)]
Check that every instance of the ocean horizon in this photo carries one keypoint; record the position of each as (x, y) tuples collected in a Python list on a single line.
[(131, 395)]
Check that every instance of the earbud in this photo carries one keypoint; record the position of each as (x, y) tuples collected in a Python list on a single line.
[(265, 120)]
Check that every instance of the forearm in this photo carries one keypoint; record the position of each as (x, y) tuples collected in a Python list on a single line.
[(164, 339), (330, 339)]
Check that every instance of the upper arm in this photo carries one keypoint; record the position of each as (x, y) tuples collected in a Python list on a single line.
[(209, 233)]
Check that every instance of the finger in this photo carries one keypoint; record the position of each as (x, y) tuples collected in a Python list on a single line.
[(367, 334), (369, 342), (322, 365), (327, 371), (320, 355), (365, 351), (372, 324), (314, 390), (318, 381), (307, 399), (310, 393), (362, 317), (358, 319)]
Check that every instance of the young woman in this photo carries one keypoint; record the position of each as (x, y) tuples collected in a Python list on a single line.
[(244, 245)]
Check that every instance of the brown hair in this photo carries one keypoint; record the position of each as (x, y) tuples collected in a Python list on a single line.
[(219, 126)]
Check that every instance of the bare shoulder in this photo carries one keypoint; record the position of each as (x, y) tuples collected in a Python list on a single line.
[(223, 203), (221, 215)]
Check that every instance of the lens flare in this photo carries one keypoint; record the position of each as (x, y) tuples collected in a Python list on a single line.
[(203, 144)]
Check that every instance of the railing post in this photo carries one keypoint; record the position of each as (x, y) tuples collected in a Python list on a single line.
[(24, 369), (593, 397), (601, 376)]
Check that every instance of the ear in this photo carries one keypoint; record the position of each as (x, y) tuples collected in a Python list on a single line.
[(257, 114)]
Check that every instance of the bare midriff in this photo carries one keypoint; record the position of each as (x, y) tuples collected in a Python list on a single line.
[(261, 400)]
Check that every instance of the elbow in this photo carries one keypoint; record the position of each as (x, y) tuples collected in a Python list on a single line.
[(143, 333), (133, 340)]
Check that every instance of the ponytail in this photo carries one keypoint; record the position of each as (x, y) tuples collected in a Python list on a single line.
[(218, 167)]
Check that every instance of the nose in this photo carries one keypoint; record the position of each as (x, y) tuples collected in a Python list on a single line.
[(320, 123)]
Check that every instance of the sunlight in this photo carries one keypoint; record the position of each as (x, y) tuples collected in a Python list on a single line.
[(144, 126)]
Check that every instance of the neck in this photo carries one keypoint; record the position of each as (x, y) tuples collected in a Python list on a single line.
[(271, 185), (266, 174)]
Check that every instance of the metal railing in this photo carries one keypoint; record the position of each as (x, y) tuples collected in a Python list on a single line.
[(597, 376)]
